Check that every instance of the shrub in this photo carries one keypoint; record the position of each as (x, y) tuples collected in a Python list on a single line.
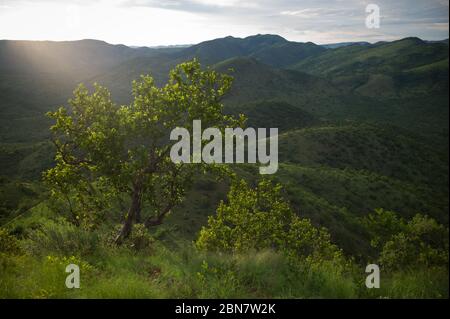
[(61, 237), (261, 218), (424, 242), (140, 238), (382, 225), (8, 243)]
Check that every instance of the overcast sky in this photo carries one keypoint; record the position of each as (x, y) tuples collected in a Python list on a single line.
[(152, 22)]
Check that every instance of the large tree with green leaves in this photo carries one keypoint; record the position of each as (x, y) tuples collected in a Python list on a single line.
[(107, 152)]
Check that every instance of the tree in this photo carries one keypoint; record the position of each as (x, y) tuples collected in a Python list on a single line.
[(261, 218), (106, 151)]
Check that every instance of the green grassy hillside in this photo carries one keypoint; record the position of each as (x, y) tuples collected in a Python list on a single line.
[(385, 67), (362, 127), (335, 174)]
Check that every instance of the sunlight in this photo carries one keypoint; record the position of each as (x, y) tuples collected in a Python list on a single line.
[(101, 20)]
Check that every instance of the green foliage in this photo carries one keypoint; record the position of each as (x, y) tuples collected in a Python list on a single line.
[(40, 277), (382, 225), (261, 218), (8, 243), (416, 283), (25, 160), (381, 149), (17, 198), (274, 113), (187, 273), (60, 237), (334, 165), (140, 238), (362, 64), (104, 150), (417, 243), (336, 173), (423, 243)]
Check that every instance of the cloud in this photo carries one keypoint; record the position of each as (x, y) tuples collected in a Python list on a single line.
[(189, 21), (194, 6)]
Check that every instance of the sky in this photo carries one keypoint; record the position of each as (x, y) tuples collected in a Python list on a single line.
[(170, 22)]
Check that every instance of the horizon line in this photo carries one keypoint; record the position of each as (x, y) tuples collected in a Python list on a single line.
[(192, 44)]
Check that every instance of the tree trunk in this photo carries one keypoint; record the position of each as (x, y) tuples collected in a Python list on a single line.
[(137, 216), (133, 212)]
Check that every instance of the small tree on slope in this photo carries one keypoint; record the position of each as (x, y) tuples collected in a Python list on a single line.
[(106, 151)]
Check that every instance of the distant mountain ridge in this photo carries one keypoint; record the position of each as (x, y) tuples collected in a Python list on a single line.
[(270, 49), (36, 76), (343, 44)]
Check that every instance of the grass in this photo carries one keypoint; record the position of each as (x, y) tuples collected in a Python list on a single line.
[(189, 274), (159, 270), (164, 274)]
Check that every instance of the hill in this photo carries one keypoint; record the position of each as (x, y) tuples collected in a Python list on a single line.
[(384, 65), (403, 83), (38, 76), (269, 49), (362, 125), (75, 60), (336, 174)]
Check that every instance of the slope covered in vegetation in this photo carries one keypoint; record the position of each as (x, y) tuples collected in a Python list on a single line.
[(363, 151)]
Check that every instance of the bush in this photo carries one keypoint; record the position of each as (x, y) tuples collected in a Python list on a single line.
[(424, 242), (61, 237), (261, 219), (382, 225), (140, 238), (8, 243)]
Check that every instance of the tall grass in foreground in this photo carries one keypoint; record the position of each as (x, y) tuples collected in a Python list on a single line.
[(34, 267), (186, 273)]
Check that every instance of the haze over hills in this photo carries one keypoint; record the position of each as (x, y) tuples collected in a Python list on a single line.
[(399, 69), (402, 82), (362, 125)]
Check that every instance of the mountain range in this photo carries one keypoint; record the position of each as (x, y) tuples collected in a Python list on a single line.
[(362, 125)]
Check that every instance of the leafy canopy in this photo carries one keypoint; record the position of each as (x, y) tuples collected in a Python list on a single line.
[(106, 151), (261, 218), (420, 241)]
